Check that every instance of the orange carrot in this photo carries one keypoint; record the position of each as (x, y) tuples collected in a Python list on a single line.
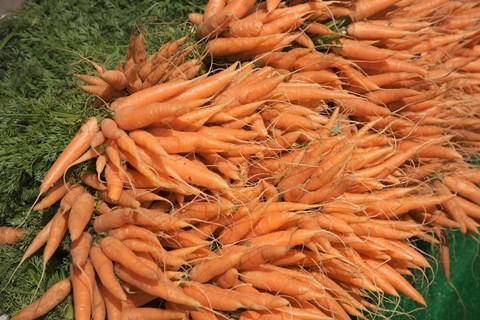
[(208, 86), (110, 129), (368, 31), (90, 178), (217, 298), (367, 8), (277, 282), (396, 280), (452, 208), (157, 93), (116, 79), (77, 146), (214, 25), (82, 284), (213, 7), (104, 92), (132, 231), (99, 311), (118, 252), (221, 47), (50, 299), (10, 235), (135, 117), (80, 214), (114, 181), (211, 268), (162, 288), (151, 314), (113, 305), (57, 231), (463, 188), (104, 270), (53, 195), (91, 80), (79, 249)]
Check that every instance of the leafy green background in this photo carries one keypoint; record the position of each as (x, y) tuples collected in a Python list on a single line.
[(41, 47)]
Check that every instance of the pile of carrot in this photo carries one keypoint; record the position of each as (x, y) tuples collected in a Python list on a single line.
[(290, 184)]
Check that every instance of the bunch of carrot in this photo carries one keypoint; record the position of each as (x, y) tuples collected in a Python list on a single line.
[(140, 71), (291, 185)]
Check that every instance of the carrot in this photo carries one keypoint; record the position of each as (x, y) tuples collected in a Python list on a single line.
[(104, 92), (238, 8), (392, 65), (368, 31), (118, 252), (329, 168), (56, 193), (82, 284), (90, 178), (157, 93), (203, 314), (367, 8), (216, 298), (208, 86), (214, 25), (396, 280), (162, 288), (50, 299), (126, 199), (385, 96), (57, 231), (443, 40), (452, 208), (110, 129), (77, 146), (132, 231), (221, 47), (114, 181), (173, 141), (213, 7), (397, 207), (272, 4), (256, 256), (80, 248), (151, 313), (104, 270), (135, 117), (160, 255), (112, 304), (80, 214), (284, 23), (91, 80), (204, 210), (99, 311), (209, 269), (10, 235), (116, 79), (463, 188), (246, 27), (250, 92), (228, 279), (302, 92), (213, 297), (277, 282), (195, 174)]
